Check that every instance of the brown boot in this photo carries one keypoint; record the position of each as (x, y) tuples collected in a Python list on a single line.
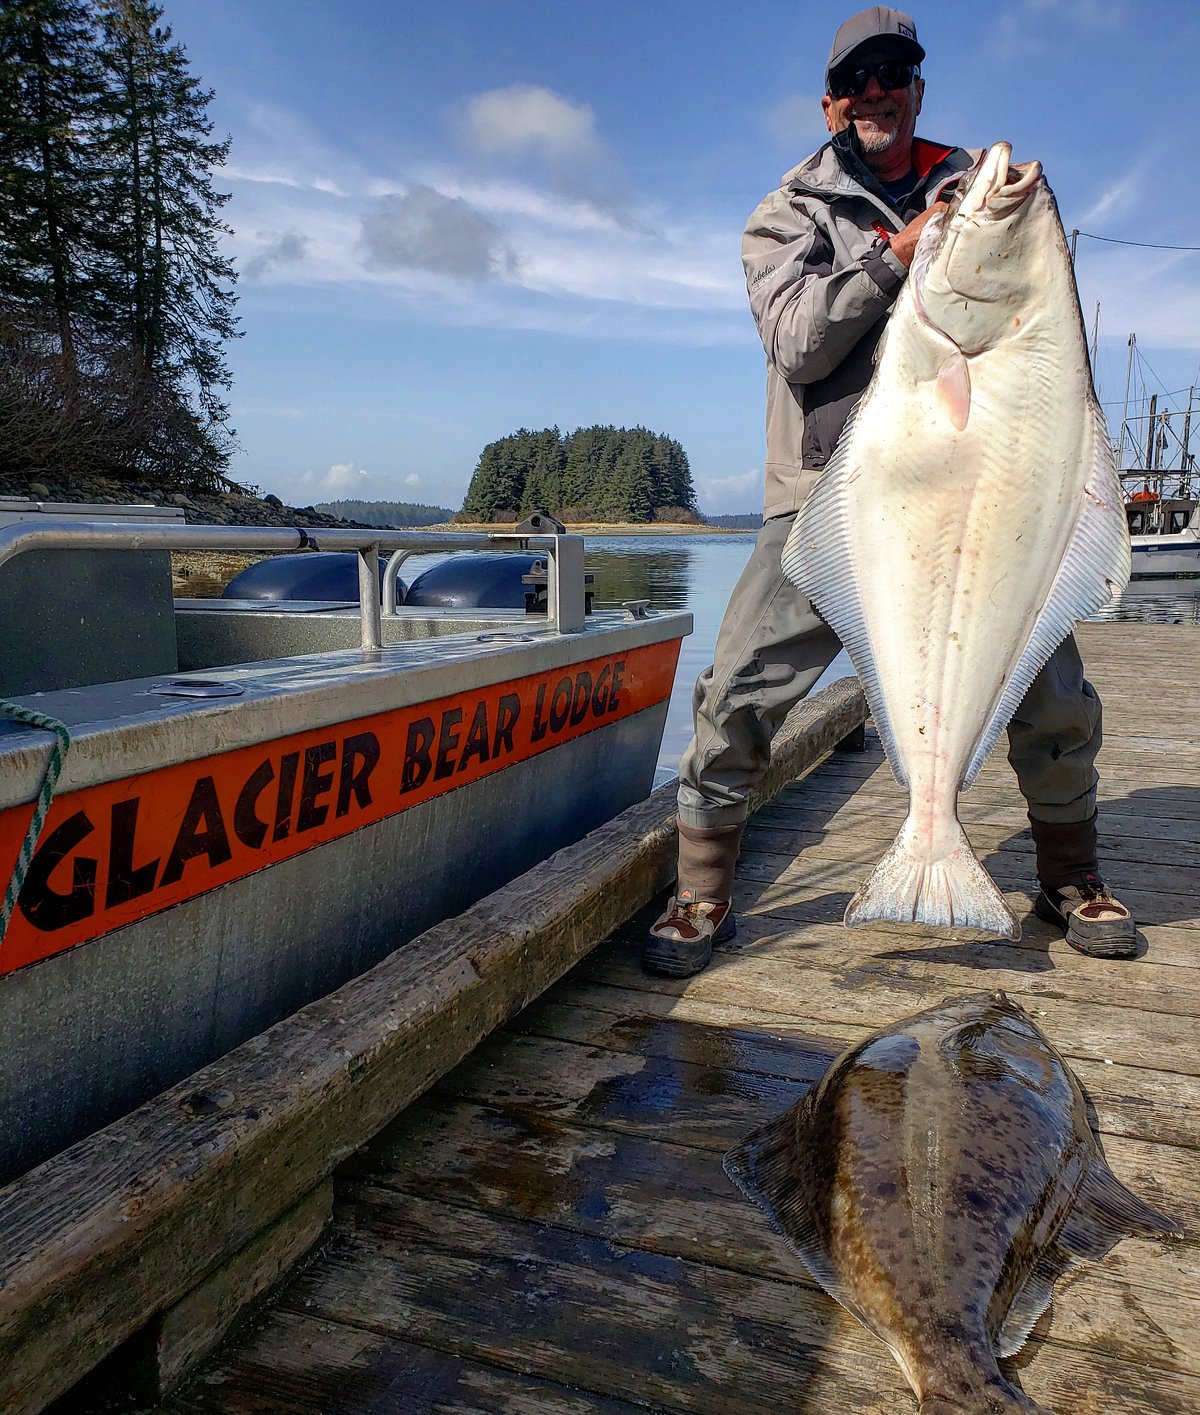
[(700, 913), (1073, 896), (1095, 923)]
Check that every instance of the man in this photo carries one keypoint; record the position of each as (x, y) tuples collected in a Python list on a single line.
[(825, 257)]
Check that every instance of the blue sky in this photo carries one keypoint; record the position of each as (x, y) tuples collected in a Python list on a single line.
[(458, 219)]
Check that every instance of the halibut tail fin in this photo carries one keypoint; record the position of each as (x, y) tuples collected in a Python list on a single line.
[(954, 891)]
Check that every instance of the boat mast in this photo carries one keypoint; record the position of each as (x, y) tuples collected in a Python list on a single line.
[(1151, 433), (1125, 409)]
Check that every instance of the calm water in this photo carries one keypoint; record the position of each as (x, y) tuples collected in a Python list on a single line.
[(698, 573)]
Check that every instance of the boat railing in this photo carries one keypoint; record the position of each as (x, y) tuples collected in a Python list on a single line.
[(564, 554)]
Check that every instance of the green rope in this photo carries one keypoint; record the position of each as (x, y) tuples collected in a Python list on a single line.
[(40, 810)]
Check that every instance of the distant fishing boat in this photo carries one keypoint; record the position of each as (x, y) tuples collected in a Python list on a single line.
[(1162, 487), (1165, 536)]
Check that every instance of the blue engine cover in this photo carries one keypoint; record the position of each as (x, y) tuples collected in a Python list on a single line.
[(332, 574), (473, 582)]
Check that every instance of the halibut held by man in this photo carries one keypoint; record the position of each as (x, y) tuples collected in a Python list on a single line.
[(970, 515)]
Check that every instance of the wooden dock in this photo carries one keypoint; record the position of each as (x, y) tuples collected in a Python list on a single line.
[(549, 1231)]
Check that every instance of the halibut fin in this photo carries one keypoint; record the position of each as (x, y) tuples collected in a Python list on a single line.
[(1104, 1213), (952, 892), (1094, 568), (817, 560), (954, 389), (773, 1167)]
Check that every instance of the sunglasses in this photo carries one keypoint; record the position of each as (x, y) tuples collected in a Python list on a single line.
[(849, 83)]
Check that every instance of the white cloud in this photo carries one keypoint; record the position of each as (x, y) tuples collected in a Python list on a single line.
[(534, 128), (1151, 293), (515, 199), (340, 479), (283, 179), (731, 495), (285, 248), (413, 479), (424, 229), (494, 248), (1118, 197), (524, 119)]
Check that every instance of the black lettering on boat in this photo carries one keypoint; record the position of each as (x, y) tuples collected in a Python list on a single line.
[(582, 698), (447, 743), (614, 704), (417, 761), (41, 904), (201, 832), (560, 705), (360, 757), (600, 691), (540, 726), (126, 880), (288, 766), (508, 710), (476, 744), (247, 826), (315, 783)]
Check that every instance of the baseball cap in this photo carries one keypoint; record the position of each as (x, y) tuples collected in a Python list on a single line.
[(879, 22)]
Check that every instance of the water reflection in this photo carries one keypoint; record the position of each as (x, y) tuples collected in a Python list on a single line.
[(1156, 602)]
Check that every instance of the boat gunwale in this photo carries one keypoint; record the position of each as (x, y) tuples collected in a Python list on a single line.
[(128, 732)]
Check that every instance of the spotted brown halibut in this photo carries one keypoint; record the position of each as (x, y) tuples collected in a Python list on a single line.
[(937, 1181)]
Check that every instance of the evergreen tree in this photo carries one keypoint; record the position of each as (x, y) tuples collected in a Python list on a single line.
[(630, 497), (589, 456), (481, 498), (175, 307), (673, 476), (50, 90), (543, 482), (115, 301)]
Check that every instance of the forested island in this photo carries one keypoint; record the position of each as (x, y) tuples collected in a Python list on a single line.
[(601, 473)]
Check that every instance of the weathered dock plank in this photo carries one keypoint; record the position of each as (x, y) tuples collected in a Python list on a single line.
[(666, 1197), (552, 1216), (666, 1330)]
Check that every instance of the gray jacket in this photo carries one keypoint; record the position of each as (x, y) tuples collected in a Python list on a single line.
[(822, 282)]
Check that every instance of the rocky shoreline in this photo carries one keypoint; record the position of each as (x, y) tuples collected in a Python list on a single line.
[(238, 508), (205, 571), (231, 508), (193, 572)]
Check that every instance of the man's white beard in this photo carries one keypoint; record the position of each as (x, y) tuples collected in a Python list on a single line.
[(875, 140)]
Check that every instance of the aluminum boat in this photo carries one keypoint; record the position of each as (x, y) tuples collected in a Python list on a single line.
[(259, 800)]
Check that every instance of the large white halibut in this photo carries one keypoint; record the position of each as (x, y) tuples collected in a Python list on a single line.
[(970, 514)]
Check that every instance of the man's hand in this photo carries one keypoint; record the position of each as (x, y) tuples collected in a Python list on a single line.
[(904, 243)]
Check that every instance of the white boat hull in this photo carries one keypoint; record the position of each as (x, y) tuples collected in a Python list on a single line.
[(1169, 557)]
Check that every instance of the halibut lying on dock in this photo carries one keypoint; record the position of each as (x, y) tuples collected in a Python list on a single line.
[(937, 1181), (970, 514)]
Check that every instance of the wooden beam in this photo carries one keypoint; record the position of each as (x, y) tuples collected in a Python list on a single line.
[(122, 1225)]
